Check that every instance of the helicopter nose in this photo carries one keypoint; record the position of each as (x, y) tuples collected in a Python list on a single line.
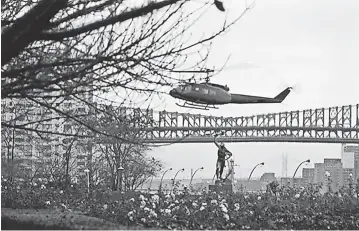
[(173, 92)]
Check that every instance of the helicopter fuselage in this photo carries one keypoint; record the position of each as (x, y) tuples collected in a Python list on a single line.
[(202, 93)]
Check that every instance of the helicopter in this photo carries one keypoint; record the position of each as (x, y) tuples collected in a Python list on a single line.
[(206, 95)]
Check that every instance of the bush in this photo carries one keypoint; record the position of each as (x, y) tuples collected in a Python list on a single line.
[(287, 208)]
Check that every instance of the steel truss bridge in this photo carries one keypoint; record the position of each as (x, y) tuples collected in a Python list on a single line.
[(322, 125)]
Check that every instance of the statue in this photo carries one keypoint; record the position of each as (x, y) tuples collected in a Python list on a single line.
[(223, 155)]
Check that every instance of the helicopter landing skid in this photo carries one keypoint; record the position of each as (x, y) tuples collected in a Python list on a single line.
[(197, 106)]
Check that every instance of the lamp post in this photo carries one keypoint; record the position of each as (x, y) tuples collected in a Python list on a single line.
[(88, 179), (119, 177), (201, 168), (306, 161), (253, 170), (163, 176), (174, 178)]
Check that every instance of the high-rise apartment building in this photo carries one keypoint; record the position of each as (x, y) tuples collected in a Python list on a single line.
[(347, 156), (348, 174), (319, 173), (308, 175), (335, 168), (350, 158), (27, 146)]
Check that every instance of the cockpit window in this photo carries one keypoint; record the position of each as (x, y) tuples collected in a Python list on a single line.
[(205, 91), (195, 88)]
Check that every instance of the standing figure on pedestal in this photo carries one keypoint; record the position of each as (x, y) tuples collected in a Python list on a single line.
[(221, 160)]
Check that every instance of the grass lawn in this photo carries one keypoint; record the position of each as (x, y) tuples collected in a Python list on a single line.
[(53, 219)]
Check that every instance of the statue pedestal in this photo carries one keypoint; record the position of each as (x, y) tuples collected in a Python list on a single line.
[(220, 186)]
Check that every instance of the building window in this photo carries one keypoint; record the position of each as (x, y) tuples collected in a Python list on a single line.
[(81, 163), (19, 140), (81, 157)]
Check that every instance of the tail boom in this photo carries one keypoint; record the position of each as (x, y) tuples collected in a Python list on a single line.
[(249, 99)]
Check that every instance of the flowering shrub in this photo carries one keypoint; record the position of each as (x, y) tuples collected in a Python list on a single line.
[(287, 208)]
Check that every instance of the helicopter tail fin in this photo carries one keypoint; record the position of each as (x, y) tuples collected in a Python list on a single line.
[(281, 96)]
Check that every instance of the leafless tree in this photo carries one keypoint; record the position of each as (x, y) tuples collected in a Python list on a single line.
[(55, 50), (136, 166)]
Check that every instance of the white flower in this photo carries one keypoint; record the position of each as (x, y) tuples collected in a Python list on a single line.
[(129, 213), (105, 206), (194, 204), (236, 207), (40, 179), (226, 216), (153, 213), (251, 212), (153, 205), (204, 204), (167, 211), (155, 198), (223, 208), (259, 198), (61, 192), (176, 201), (63, 205), (297, 195), (43, 186), (214, 202), (143, 204), (146, 209), (47, 202), (132, 199), (143, 219), (202, 208), (187, 211), (246, 197), (141, 197), (34, 184)]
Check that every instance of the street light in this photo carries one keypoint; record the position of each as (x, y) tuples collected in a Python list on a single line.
[(119, 177), (306, 161), (174, 178), (194, 174), (253, 170), (163, 176), (88, 179)]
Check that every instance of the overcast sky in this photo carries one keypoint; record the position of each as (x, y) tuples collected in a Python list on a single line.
[(311, 44)]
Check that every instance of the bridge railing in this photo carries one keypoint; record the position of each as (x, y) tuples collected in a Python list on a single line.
[(334, 124)]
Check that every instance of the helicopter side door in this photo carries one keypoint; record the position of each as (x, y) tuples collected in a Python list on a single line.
[(203, 93)]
